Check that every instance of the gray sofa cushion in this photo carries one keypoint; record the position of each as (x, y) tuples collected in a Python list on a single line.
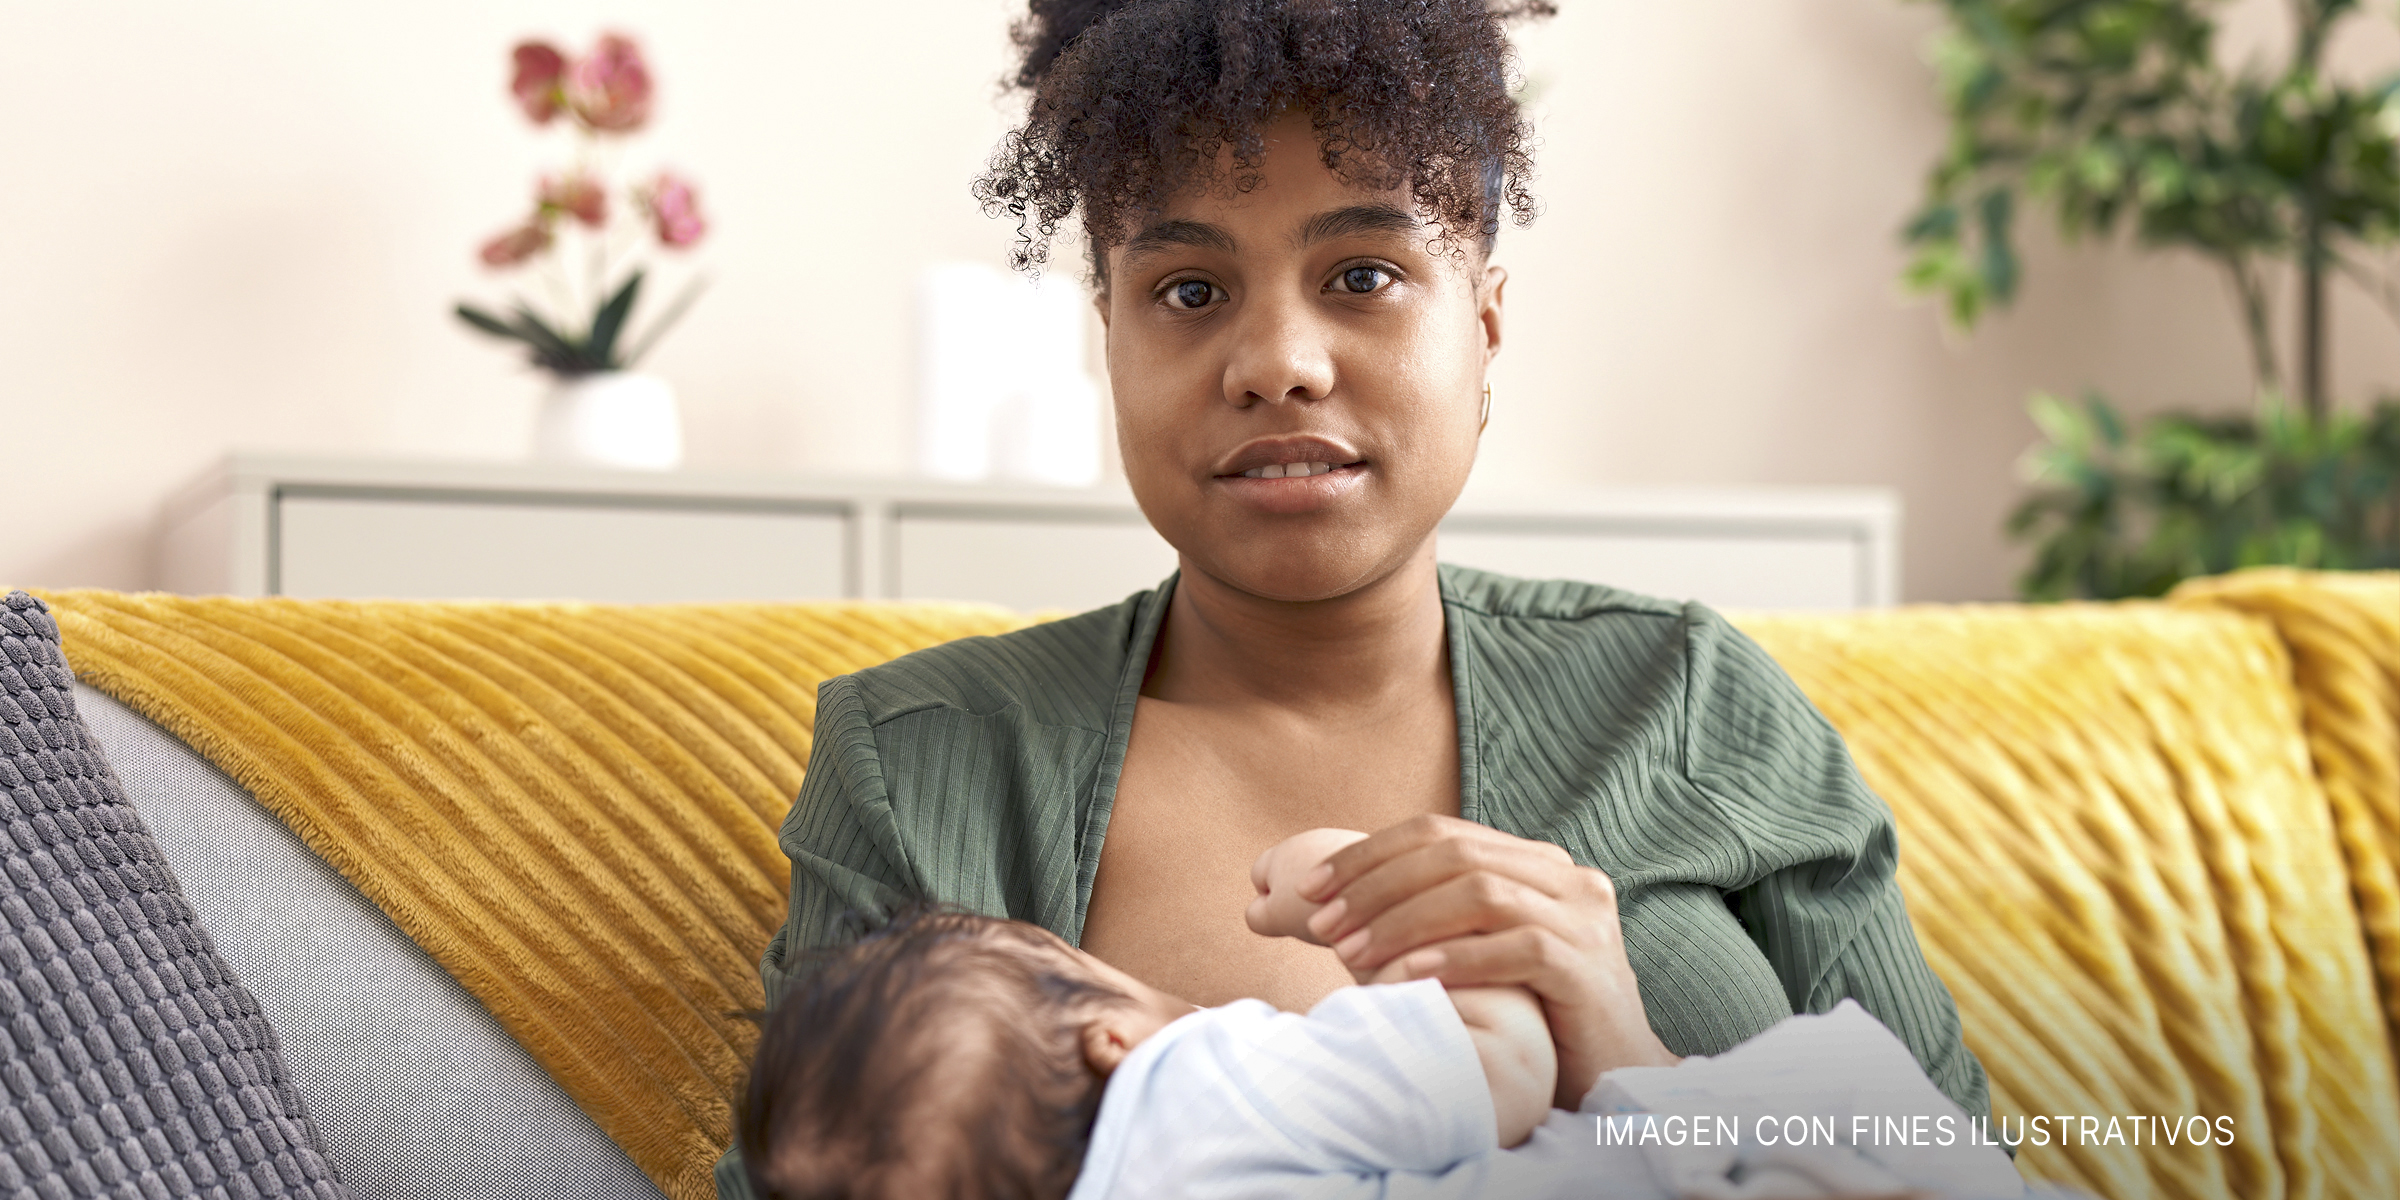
[(418, 1091), (134, 1063)]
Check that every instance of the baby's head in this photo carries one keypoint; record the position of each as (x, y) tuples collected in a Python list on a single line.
[(944, 1054)]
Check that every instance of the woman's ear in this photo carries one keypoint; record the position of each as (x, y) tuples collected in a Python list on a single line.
[(1107, 1038), (1495, 281)]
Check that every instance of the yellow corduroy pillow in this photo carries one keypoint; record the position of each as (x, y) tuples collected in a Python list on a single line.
[(2343, 631), (571, 807), (2118, 858)]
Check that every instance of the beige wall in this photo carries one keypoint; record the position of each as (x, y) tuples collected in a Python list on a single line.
[(242, 225)]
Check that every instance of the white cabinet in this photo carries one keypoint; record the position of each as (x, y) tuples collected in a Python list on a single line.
[(1023, 558), (261, 525), (337, 544)]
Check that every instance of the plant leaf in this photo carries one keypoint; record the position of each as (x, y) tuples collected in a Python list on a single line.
[(601, 345), (487, 323)]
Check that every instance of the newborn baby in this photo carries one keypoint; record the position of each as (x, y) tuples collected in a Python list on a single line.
[(958, 1055), (951, 1054)]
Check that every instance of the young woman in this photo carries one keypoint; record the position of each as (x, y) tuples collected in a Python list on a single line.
[(1617, 802)]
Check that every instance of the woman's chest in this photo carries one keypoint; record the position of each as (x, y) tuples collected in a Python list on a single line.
[(1200, 796)]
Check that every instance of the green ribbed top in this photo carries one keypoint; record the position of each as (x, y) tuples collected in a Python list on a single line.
[(1753, 867)]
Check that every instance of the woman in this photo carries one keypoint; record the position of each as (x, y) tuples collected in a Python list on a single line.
[(1618, 802)]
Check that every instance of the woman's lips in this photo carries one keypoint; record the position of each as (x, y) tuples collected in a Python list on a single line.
[(1289, 492)]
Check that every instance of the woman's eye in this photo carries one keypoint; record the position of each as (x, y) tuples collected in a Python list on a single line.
[(1191, 294), (1362, 280)]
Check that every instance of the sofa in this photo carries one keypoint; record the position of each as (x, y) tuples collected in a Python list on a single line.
[(496, 875)]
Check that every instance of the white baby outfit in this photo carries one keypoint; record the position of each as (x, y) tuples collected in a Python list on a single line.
[(1377, 1094)]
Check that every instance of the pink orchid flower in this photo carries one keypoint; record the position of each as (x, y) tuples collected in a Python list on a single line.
[(675, 210), (578, 195), (536, 85), (517, 245), (610, 90)]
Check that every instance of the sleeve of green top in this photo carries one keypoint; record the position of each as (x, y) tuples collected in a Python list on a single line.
[(733, 1182), (1825, 907), (844, 842)]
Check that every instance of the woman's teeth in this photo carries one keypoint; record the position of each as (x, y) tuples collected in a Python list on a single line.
[(1287, 471)]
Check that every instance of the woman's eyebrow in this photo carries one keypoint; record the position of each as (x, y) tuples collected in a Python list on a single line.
[(1166, 234), (1357, 220)]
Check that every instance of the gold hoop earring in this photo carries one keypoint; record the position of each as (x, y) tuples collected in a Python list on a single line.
[(1487, 409)]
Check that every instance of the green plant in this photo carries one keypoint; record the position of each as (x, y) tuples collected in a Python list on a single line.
[(2118, 115), (2125, 511)]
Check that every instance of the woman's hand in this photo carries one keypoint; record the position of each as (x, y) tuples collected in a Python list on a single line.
[(1472, 906)]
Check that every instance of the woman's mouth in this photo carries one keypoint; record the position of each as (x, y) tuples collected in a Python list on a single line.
[(1288, 457), (1290, 475), (1290, 489)]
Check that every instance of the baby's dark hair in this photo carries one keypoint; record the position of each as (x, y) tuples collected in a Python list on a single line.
[(938, 1056), (1134, 100)]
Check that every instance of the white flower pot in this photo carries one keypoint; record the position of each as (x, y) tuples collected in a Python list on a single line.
[(610, 419)]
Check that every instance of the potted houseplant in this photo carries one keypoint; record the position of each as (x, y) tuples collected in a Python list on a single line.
[(2116, 115), (598, 409)]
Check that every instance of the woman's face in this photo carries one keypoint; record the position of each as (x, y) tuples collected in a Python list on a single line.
[(1303, 330)]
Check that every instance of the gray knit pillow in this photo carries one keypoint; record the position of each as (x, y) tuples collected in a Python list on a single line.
[(133, 1065)]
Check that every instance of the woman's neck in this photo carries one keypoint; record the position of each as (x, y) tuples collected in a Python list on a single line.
[(1222, 645)]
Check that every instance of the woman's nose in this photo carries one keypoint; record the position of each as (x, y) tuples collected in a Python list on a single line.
[(1280, 351)]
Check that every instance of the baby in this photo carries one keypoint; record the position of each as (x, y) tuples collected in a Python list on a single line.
[(950, 1054), (955, 1055)]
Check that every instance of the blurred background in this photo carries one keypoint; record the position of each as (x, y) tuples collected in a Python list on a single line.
[(244, 224)]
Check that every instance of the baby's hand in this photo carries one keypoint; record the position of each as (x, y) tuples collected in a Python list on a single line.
[(1279, 910)]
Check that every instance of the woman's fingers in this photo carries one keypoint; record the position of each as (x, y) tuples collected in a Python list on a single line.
[(1361, 857), (1422, 865), (1527, 956), (1476, 902)]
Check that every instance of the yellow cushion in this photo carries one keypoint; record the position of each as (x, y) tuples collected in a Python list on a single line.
[(2117, 857), (2343, 631)]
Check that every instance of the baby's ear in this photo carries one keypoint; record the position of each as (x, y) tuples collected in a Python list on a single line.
[(1105, 1045)]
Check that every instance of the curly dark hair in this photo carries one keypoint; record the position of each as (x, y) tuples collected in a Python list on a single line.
[(1135, 100), (939, 1054)]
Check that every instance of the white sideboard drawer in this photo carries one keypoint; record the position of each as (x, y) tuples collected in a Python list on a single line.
[(1727, 571), (1024, 558), (422, 547)]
